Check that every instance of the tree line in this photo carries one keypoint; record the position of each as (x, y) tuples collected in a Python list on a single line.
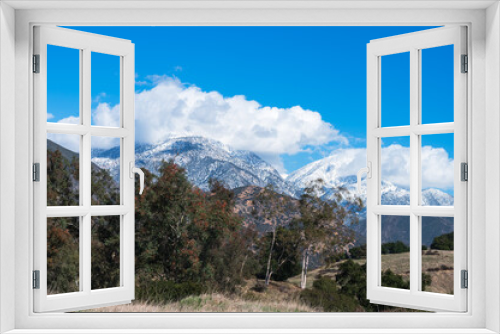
[(188, 241)]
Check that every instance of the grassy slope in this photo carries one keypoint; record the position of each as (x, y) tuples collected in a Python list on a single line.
[(279, 297), (439, 267), (284, 296)]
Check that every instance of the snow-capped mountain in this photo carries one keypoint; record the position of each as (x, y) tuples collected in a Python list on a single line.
[(334, 171), (203, 159)]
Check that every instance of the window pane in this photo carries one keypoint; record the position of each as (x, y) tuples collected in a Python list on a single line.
[(105, 171), (105, 252), (437, 168), (437, 85), (395, 171), (63, 169), (105, 90), (395, 89), (63, 85), (437, 254), (395, 251), (63, 255)]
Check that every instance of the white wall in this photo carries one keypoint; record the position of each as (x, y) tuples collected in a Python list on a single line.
[(7, 159), (492, 165), (491, 183)]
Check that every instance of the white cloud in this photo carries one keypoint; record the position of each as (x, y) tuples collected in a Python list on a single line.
[(102, 115), (171, 108), (49, 116), (348, 161), (101, 96), (106, 115), (70, 120), (395, 160), (71, 142), (437, 166)]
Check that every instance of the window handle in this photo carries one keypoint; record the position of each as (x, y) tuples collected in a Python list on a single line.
[(368, 171), (134, 170)]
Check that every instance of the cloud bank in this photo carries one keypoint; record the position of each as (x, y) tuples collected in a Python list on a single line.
[(437, 166), (171, 108)]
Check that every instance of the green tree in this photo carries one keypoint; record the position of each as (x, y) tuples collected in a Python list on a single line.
[(62, 180), (186, 235), (285, 261), (275, 207), (395, 248), (322, 224), (62, 255), (352, 281), (392, 280), (165, 218), (443, 242)]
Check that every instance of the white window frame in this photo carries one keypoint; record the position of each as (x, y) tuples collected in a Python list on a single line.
[(414, 43), (86, 44), (483, 21)]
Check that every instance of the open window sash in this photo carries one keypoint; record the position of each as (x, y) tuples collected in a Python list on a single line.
[(414, 43), (84, 296)]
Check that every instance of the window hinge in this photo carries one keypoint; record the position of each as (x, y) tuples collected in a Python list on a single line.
[(464, 171), (36, 63), (465, 279), (36, 172), (36, 279), (465, 64)]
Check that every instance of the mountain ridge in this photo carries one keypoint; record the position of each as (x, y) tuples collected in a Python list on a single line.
[(205, 158)]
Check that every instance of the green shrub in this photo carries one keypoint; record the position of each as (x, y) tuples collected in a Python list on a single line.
[(443, 242), (358, 252), (392, 280), (426, 281), (394, 248), (324, 294)]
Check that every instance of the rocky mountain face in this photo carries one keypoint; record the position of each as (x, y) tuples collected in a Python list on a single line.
[(203, 159)]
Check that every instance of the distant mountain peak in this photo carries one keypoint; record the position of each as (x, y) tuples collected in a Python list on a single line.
[(203, 159)]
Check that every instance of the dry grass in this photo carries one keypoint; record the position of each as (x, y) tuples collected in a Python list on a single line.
[(439, 267), (284, 296), (212, 303)]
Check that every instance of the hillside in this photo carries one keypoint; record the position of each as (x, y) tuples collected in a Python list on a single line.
[(437, 264), (284, 296), (396, 228)]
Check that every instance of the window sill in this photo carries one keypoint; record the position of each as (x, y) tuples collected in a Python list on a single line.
[(249, 331)]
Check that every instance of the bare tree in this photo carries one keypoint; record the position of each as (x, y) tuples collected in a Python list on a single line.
[(275, 208), (323, 224)]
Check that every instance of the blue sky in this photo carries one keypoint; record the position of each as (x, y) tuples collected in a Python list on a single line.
[(320, 69)]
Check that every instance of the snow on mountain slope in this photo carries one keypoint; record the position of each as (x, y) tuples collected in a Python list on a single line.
[(338, 170), (203, 159)]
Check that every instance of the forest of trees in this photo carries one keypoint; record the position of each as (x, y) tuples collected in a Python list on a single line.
[(189, 242)]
